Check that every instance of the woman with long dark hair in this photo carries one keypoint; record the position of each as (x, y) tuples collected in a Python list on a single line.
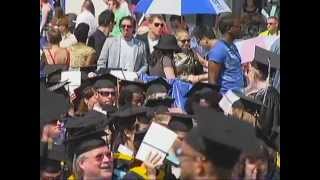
[(161, 61), (87, 16)]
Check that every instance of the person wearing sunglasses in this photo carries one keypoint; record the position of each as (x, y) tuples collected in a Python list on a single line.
[(187, 62), (151, 38), (272, 27), (119, 13), (125, 52)]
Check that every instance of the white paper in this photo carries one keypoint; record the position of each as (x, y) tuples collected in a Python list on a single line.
[(273, 10), (124, 150), (74, 77), (227, 100), (144, 151), (124, 75), (157, 139)]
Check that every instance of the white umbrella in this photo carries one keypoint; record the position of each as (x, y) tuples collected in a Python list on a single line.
[(182, 7)]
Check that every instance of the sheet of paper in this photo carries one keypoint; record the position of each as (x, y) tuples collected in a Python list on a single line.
[(144, 151), (157, 139), (160, 137), (124, 150), (227, 100), (225, 105), (124, 75), (74, 77)]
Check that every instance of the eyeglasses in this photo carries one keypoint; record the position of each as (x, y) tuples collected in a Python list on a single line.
[(185, 40), (99, 157), (158, 24), (107, 93), (270, 23), (124, 26)]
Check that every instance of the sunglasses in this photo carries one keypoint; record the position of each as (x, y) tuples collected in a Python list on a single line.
[(158, 24), (185, 40), (106, 93), (124, 26)]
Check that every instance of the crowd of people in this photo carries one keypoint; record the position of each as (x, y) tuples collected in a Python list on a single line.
[(189, 79)]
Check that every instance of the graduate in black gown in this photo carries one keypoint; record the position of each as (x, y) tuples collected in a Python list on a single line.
[(259, 87), (259, 75)]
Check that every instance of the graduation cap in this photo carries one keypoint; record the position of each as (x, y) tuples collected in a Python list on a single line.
[(85, 144), (104, 81), (221, 139), (52, 105), (161, 109), (199, 91), (180, 122), (53, 72), (127, 116), (84, 133), (158, 85), (86, 70), (202, 88), (249, 104), (263, 59), (59, 88), (133, 86), (51, 159), (91, 123), (164, 101), (262, 56), (79, 92)]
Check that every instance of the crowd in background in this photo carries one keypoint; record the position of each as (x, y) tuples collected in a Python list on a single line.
[(95, 130)]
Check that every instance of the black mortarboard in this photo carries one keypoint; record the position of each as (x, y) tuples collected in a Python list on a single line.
[(52, 105), (105, 81), (180, 122), (86, 70), (88, 143), (53, 72), (202, 88), (90, 123), (164, 101), (79, 92), (261, 60), (127, 116), (84, 133), (249, 104), (59, 88), (158, 85), (152, 111), (221, 139), (134, 86), (51, 159)]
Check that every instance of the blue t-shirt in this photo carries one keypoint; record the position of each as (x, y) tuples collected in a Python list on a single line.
[(231, 75)]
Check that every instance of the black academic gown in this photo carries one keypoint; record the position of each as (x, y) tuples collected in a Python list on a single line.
[(269, 118)]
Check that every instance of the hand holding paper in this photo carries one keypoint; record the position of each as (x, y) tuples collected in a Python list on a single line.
[(158, 140)]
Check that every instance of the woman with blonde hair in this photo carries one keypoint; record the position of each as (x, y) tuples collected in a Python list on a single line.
[(187, 62)]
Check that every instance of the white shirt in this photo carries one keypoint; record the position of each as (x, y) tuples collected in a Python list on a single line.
[(68, 40), (86, 17), (126, 55), (124, 7), (152, 43)]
